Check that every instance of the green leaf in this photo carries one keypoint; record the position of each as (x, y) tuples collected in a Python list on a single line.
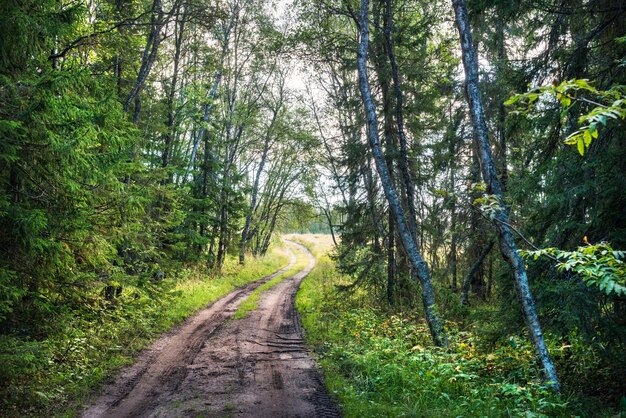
[(512, 100), (581, 146), (582, 83)]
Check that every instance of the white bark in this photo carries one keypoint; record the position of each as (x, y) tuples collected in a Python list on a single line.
[(507, 244), (418, 263)]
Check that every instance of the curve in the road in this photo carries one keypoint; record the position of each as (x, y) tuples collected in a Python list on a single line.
[(212, 367)]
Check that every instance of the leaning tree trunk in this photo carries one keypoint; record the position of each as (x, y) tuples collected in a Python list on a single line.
[(255, 188), (179, 31), (149, 54), (505, 234), (418, 263)]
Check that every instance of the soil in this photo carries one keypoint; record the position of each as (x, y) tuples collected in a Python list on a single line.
[(214, 366)]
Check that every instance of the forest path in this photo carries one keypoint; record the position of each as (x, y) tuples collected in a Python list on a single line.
[(213, 366)]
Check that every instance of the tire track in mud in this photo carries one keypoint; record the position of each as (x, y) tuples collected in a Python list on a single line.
[(212, 366)]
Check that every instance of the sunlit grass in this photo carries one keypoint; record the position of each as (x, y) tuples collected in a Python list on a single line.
[(54, 376), (318, 244), (199, 291), (252, 301), (379, 364)]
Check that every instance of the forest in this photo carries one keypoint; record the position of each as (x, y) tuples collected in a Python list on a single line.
[(462, 162)]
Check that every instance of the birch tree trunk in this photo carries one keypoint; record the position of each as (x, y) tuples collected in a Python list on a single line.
[(149, 54), (255, 188), (505, 234), (218, 77), (203, 121), (179, 31), (418, 263)]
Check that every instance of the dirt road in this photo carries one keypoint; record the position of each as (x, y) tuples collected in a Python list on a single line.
[(213, 366)]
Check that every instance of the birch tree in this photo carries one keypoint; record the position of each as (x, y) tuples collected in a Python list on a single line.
[(508, 246), (410, 245)]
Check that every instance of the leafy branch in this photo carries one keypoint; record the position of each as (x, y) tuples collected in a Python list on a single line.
[(608, 104), (599, 265)]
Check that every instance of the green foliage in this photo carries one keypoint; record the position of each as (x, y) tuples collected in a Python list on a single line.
[(380, 363), (27, 31), (609, 104), (64, 152), (553, 196), (101, 239), (598, 265), (489, 205)]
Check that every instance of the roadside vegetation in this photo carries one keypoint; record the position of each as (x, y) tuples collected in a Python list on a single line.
[(252, 301), (381, 362), (86, 346)]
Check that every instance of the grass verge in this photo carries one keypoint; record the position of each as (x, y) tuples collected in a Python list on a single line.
[(55, 375), (379, 363), (252, 301)]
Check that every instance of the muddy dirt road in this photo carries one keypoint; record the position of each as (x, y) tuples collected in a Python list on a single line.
[(214, 366)]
